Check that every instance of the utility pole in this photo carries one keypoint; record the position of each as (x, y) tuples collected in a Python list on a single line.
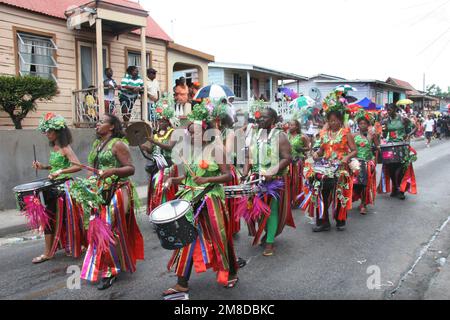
[(424, 84)]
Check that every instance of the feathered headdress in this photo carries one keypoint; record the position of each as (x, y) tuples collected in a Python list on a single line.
[(51, 121)]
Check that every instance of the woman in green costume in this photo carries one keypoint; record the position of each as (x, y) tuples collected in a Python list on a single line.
[(398, 129), (300, 145), (65, 228), (365, 184), (205, 168)]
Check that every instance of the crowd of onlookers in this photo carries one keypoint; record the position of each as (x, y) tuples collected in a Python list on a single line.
[(131, 87)]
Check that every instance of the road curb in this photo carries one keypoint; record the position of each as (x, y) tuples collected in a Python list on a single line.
[(5, 232)]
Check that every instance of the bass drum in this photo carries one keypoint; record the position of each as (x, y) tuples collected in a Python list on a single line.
[(172, 227)]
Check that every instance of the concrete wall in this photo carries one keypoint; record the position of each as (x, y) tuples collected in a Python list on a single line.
[(16, 157)]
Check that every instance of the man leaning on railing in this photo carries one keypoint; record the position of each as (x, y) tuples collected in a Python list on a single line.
[(132, 86)]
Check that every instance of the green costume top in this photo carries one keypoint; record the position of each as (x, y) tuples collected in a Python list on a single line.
[(396, 129), (297, 146), (265, 152), (106, 159), (59, 162), (201, 168), (364, 148)]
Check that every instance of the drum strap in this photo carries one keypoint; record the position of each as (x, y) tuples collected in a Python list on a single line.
[(99, 150), (202, 194)]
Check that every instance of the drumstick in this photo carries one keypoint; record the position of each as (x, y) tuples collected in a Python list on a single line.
[(86, 167), (34, 151), (187, 165)]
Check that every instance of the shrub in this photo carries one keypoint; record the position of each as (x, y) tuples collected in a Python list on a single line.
[(18, 95)]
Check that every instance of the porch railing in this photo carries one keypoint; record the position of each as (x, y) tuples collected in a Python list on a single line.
[(282, 108), (86, 108)]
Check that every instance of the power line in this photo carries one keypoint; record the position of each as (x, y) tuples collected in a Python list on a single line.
[(440, 53), (431, 12), (434, 41)]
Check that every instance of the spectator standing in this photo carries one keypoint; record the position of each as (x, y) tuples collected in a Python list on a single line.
[(110, 86), (182, 107), (132, 86), (153, 93), (429, 129)]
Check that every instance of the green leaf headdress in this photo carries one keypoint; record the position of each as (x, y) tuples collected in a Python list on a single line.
[(362, 114), (51, 121), (257, 107), (165, 109), (335, 102)]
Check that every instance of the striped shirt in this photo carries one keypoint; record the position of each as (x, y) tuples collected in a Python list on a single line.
[(128, 81)]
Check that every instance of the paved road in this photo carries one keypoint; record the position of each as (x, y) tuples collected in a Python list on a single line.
[(396, 236)]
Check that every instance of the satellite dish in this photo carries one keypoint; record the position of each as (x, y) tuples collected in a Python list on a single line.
[(315, 93)]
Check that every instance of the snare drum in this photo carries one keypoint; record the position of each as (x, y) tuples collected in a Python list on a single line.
[(36, 188), (240, 191), (171, 225), (394, 152)]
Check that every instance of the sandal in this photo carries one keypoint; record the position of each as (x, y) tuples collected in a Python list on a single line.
[(42, 258), (268, 253), (172, 291), (363, 211), (232, 283)]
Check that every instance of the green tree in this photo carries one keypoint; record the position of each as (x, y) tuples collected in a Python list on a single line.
[(436, 91), (18, 95)]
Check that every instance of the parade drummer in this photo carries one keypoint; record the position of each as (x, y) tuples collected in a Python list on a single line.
[(224, 123), (161, 146), (367, 143), (300, 145), (336, 145), (65, 223), (269, 158), (398, 129), (114, 219), (205, 168)]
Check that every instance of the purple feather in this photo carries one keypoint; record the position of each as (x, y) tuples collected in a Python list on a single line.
[(197, 213), (272, 188)]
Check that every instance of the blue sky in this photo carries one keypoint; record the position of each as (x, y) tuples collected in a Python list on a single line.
[(356, 39)]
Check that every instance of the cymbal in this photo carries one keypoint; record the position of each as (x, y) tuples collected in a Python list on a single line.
[(138, 133)]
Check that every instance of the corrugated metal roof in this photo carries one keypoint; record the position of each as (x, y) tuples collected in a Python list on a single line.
[(249, 67), (57, 8)]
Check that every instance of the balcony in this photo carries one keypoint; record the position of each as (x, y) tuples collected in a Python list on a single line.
[(86, 109)]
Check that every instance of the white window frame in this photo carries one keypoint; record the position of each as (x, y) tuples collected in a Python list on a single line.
[(136, 53), (237, 83), (53, 49), (93, 47)]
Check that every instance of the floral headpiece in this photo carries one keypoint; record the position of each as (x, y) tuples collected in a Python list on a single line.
[(201, 113), (165, 110), (51, 121), (362, 114), (257, 107), (335, 102)]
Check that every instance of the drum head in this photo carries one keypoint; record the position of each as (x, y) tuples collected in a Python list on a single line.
[(36, 185), (170, 211)]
